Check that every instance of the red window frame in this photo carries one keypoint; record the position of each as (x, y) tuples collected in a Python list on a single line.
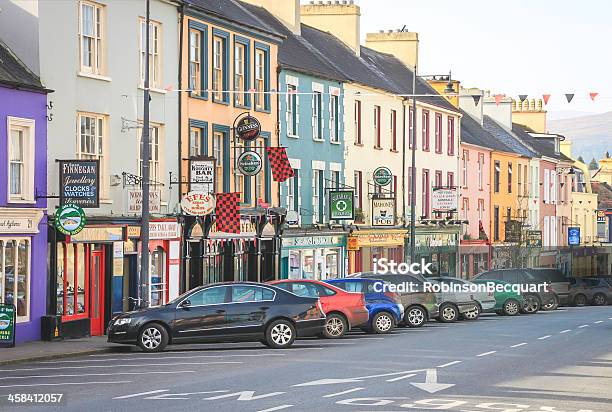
[(410, 186), (394, 188), (438, 132), (438, 178), (358, 184), (411, 141), (464, 167), (87, 257), (451, 136), (425, 134), (358, 122), (510, 172), (450, 179), (377, 127), (425, 201), (393, 130)]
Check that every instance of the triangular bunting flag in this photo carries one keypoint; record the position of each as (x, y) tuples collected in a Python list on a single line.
[(498, 98), (546, 97), (279, 163), (522, 97), (569, 97), (476, 98), (593, 95)]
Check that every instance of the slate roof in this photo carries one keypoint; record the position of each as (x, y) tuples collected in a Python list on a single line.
[(14, 73), (506, 136), (604, 194), (295, 52), (472, 132), (542, 145)]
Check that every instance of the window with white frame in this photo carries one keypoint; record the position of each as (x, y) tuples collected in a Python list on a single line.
[(240, 85), (155, 153), (292, 110), (464, 163), (92, 143), (317, 115), (91, 33), (316, 196), (333, 118), (218, 67), (260, 69), (217, 150), (157, 277), (21, 140), (15, 275), (155, 48), (480, 170), (195, 60), (480, 209), (196, 143)]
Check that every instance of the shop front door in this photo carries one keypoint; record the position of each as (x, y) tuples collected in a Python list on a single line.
[(97, 292)]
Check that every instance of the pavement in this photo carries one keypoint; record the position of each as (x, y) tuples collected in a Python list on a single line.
[(557, 361)]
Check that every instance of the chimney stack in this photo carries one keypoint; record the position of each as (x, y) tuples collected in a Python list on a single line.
[(287, 11), (342, 19), (404, 45)]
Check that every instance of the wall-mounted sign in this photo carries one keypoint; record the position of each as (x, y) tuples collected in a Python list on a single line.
[(386, 238), (341, 205), (292, 218), (248, 128), (70, 219), (601, 215), (98, 234), (202, 174), (444, 199), (513, 231), (312, 241), (534, 238), (164, 230), (20, 220), (249, 163), (435, 240), (383, 212), (573, 236), (248, 228), (7, 325), (198, 203), (382, 176), (134, 201), (80, 183)]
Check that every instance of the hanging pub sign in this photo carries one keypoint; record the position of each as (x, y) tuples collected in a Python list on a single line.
[(80, 183), (7, 325), (202, 174), (601, 215), (573, 236), (69, 219), (248, 128), (444, 199), (341, 205), (198, 203), (249, 163), (534, 238), (383, 212), (382, 176)]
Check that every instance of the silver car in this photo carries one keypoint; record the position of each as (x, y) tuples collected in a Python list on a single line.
[(485, 300), (454, 305)]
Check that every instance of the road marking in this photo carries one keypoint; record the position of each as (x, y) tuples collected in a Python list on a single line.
[(610, 318), (276, 408), (449, 364), (598, 321), (544, 337), (331, 395), (332, 381), (487, 353), (519, 344), (399, 378), (140, 394), (565, 331), (94, 374), (583, 326), (114, 366), (431, 384), (246, 355), (61, 384), (189, 352)]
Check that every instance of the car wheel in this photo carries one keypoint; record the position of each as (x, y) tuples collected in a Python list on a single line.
[(415, 317), (511, 307), (600, 299), (153, 338), (580, 300), (448, 313), (552, 304), (532, 304), (472, 315), (382, 323), (280, 334), (335, 326)]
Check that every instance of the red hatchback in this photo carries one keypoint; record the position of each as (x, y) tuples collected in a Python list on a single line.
[(344, 310)]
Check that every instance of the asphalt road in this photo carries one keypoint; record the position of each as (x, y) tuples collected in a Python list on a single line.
[(553, 361)]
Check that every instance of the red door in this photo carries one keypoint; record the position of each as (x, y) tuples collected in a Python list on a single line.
[(96, 278)]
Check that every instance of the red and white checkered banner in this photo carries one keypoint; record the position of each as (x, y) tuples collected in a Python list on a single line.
[(279, 163), (227, 212)]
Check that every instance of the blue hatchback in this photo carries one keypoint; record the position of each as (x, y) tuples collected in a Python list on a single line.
[(385, 310)]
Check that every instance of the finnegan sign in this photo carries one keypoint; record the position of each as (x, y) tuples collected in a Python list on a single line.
[(80, 183)]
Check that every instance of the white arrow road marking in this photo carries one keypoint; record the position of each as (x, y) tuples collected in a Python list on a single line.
[(565, 331), (140, 394), (331, 395), (276, 408), (331, 381), (487, 353), (519, 344), (431, 384)]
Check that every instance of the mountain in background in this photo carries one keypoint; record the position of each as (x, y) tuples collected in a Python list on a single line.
[(591, 135)]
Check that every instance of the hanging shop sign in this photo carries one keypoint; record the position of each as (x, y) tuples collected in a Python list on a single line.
[(198, 203), (534, 238), (383, 212), (292, 218), (601, 215), (80, 183), (7, 325), (382, 176), (134, 201), (444, 199), (248, 128), (341, 205), (70, 219), (202, 174), (573, 236), (513, 231), (249, 163), (386, 238), (164, 230)]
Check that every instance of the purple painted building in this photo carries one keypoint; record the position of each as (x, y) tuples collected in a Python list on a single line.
[(23, 175)]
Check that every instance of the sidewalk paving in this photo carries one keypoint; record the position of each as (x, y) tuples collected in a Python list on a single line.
[(39, 350)]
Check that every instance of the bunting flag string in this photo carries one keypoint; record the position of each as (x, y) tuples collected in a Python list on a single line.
[(498, 99), (476, 98), (593, 95), (227, 211), (279, 163), (546, 98), (569, 97), (522, 97)]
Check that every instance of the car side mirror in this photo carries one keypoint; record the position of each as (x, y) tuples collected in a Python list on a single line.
[(186, 303)]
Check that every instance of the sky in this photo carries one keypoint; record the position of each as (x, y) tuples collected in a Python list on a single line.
[(512, 47)]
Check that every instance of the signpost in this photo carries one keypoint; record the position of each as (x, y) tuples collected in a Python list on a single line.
[(341, 205), (383, 212), (7, 325), (573, 236), (70, 219), (80, 183), (382, 176), (202, 174)]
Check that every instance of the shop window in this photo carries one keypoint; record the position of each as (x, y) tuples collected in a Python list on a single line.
[(15, 275), (157, 277), (72, 276)]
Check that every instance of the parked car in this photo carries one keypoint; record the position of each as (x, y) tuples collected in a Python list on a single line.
[(384, 308), (485, 301), (506, 302), (235, 311), (596, 291), (419, 306), (455, 305), (533, 299), (344, 310), (559, 283)]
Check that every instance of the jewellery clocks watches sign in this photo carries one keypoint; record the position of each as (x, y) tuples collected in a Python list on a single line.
[(80, 183), (382, 176), (248, 128), (249, 163), (70, 219)]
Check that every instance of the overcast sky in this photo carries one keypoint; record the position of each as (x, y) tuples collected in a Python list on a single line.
[(511, 46)]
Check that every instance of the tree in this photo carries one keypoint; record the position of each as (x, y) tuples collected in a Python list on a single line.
[(580, 159), (593, 165)]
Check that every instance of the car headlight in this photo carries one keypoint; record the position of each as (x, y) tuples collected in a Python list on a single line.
[(122, 321)]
